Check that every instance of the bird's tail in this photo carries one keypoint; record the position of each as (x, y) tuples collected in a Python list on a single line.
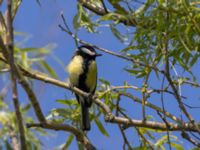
[(85, 117)]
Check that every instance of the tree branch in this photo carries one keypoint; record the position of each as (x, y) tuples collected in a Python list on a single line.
[(13, 136), (109, 117), (80, 136), (101, 11), (187, 137), (10, 45), (150, 105)]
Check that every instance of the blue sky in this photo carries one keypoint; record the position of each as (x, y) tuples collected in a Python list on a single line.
[(41, 26)]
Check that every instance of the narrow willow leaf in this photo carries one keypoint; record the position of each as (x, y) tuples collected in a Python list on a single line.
[(106, 17), (80, 146), (164, 139), (69, 141), (129, 48), (135, 72), (26, 108), (67, 102), (60, 112), (35, 49), (49, 69), (184, 44), (104, 81), (101, 127), (15, 6), (176, 146), (24, 60), (194, 59), (76, 21), (117, 34)]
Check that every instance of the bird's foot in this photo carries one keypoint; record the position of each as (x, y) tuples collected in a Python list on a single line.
[(89, 99)]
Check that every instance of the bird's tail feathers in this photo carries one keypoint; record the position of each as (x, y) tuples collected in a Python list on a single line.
[(85, 117)]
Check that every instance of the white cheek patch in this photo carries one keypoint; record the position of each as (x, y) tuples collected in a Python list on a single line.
[(88, 51)]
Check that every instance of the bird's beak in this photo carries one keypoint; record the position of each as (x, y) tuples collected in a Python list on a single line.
[(98, 54)]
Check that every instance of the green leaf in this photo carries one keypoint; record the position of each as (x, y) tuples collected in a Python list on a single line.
[(143, 8), (104, 81), (33, 49), (177, 146), (49, 69), (184, 44), (15, 6), (80, 146), (194, 59), (107, 17), (69, 141), (113, 17), (83, 19), (164, 140), (58, 113), (67, 102), (76, 20), (8, 146), (117, 6), (117, 34), (129, 48), (26, 108), (101, 127), (24, 60)]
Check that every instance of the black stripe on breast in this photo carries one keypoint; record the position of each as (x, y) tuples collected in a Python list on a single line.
[(82, 78)]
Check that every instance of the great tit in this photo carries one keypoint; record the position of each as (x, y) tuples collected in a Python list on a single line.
[(82, 71)]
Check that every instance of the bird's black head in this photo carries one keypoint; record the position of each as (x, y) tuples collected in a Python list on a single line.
[(87, 52)]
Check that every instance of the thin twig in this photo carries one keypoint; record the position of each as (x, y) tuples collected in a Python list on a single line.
[(126, 142), (69, 32), (104, 6), (144, 96), (187, 137), (150, 105), (80, 136), (163, 108)]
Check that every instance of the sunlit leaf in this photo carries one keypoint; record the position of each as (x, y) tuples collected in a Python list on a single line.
[(101, 127), (104, 81), (117, 34), (67, 102), (49, 69), (15, 6), (69, 141), (176, 146)]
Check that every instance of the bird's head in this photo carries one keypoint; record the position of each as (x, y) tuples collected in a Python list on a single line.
[(87, 52)]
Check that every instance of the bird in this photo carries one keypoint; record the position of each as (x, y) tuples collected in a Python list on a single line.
[(82, 71)]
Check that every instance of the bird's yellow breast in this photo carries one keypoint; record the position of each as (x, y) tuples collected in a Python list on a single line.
[(74, 69), (91, 78)]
